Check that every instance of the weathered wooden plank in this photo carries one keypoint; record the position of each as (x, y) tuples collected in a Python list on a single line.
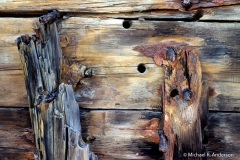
[(13, 88), (96, 6), (96, 40), (223, 136), (107, 48), (224, 97), (14, 118), (121, 134), (41, 58), (225, 13), (184, 98), (16, 139), (10, 29), (16, 154)]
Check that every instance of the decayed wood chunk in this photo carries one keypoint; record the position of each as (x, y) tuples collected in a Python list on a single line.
[(53, 109), (184, 98)]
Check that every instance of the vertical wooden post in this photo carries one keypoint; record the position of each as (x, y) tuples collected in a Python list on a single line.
[(184, 99), (54, 112)]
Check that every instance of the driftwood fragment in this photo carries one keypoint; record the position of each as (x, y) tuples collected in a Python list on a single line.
[(53, 110), (184, 99)]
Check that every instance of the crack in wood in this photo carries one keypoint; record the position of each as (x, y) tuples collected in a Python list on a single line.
[(54, 111)]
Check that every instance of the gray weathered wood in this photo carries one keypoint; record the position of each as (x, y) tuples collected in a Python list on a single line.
[(132, 130), (41, 57), (89, 41)]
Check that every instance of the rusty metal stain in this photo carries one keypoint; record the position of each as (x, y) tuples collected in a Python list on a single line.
[(181, 91), (150, 131)]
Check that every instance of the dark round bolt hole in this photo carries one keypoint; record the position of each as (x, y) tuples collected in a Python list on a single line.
[(141, 68), (127, 24), (174, 93)]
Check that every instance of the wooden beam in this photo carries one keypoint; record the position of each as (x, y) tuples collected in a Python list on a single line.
[(12, 82), (94, 6), (15, 131), (90, 41), (133, 129), (222, 135), (16, 154), (184, 98)]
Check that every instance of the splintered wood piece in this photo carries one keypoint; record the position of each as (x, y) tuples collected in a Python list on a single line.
[(53, 110), (184, 98)]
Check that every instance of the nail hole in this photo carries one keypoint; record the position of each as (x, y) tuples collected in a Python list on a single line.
[(141, 68), (117, 104), (127, 24), (174, 93)]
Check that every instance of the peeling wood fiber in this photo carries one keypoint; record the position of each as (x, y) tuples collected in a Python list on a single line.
[(53, 109), (92, 33)]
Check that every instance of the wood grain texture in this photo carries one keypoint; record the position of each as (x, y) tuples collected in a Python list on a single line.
[(107, 48), (184, 101), (54, 111), (102, 6), (122, 134), (223, 135), (127, 132), (225, 13), (16, 154), (16, 140), (13, 88)]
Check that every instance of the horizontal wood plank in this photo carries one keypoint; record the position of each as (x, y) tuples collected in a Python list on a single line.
[(223, 135), (16, 154), (107, 48), (225, 13), (13, 90), (127, 134), (96, 6), (16, 140)]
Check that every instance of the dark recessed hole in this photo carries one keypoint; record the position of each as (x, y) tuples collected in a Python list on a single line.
[(174, 93), (205, 138), (127, 24), (141, 68)]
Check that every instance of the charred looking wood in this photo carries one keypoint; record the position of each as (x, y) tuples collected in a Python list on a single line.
[(23, 39)]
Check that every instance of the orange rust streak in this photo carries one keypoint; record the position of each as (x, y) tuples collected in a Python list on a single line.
[(150, 131)]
